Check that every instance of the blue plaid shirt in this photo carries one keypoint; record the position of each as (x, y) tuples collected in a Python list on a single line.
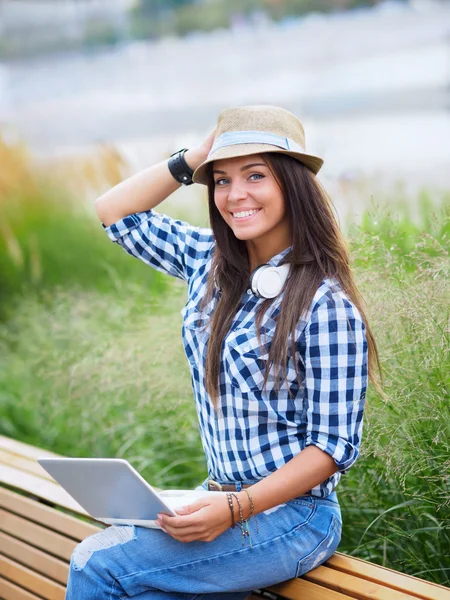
[(258, 430)]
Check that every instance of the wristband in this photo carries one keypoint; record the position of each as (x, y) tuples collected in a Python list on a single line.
[(179, 168)]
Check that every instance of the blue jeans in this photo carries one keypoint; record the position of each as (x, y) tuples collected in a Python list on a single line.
[(147, 564)]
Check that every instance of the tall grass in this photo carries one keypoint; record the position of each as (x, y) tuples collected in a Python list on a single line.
[(88, 374), (50, 239), (396, 501), (93, 365)]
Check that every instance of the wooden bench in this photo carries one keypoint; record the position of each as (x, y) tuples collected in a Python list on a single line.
[(40, 526)]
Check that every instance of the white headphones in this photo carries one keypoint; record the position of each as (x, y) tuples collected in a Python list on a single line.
[(267, 281)]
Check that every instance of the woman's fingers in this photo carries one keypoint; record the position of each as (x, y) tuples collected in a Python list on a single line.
[(190, 533), (207, 143), (201, 520), (186, 531), (182, 524)]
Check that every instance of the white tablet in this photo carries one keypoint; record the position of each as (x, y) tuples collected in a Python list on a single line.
[(110, 490)]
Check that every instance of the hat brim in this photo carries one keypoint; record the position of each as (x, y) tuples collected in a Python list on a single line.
[(314, 163)]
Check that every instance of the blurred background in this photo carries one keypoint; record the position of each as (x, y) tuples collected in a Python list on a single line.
[(370, 79), (92, 91)]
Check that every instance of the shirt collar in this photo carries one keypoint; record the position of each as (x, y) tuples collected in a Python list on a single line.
[(276, 260)]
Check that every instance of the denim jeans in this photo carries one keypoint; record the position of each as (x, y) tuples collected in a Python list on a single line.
[(147, 564)]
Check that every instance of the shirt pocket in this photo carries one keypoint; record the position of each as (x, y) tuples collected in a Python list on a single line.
[(246, 359)]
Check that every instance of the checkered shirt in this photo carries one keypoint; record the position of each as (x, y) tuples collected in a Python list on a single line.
[(258, 430)]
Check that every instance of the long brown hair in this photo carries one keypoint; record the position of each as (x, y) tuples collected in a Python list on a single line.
[(318, 251)]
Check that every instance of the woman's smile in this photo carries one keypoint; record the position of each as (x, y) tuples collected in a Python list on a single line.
[(245, 214)]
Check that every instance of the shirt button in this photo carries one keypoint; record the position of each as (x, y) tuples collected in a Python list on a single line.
[(249, 292)]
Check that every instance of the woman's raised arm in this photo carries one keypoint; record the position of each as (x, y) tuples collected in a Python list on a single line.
[(146, 189)]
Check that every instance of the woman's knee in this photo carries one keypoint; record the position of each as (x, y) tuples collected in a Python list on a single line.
[(93, 564), (86, 554)]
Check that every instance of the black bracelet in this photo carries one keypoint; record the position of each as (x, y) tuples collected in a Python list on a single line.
[(179, 168)]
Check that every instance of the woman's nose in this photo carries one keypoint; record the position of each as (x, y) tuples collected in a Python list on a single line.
[(237, 192)]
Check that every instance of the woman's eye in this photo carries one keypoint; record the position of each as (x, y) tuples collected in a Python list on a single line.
[(253, 177)]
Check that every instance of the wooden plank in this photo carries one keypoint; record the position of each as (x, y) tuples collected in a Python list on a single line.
[(399, 581), (46, 516), (353, 586), (31, 581), (300, 589), (21, 463), (37, 536), (48, 490), (22, 449), (10, 591), (34, 558)]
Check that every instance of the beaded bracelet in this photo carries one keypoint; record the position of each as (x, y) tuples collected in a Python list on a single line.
[(241, 516), (230, 504), (252, 506), (242, 523), (252, 509)]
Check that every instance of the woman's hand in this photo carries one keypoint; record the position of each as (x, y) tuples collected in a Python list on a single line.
[(201, 521), (195, 156)]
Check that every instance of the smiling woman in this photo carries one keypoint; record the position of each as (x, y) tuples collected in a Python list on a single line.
[(279, 350), (251, 202)]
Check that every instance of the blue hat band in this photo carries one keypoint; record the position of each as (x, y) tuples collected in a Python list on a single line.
[(230, 138)]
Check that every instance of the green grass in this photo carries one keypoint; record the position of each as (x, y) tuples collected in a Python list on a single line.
[(396, 500), (88, 374), (93, 365), (49, 241)]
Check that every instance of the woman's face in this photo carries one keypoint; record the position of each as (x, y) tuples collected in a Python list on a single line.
[(250, 201)]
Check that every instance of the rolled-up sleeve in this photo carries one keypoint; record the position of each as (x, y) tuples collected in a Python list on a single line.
[(168, 245), (335, 363)]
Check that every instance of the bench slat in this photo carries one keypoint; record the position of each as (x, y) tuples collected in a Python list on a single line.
[(347, 586), (296, 589), (48, 490), (38, 536), (46, 516), (34, 559), (21, 463), (399, 581), (23, 449), (354, 586), (10, 591), (31, 581)]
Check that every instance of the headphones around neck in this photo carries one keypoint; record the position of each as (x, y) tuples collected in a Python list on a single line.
[(267, 281)]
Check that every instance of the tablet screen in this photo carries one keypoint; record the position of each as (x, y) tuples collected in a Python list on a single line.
[(107, 488)]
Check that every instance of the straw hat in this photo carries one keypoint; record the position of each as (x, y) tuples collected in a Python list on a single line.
[(247, 130)]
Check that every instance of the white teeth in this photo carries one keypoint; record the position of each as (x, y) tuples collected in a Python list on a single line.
[(246, 213)]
